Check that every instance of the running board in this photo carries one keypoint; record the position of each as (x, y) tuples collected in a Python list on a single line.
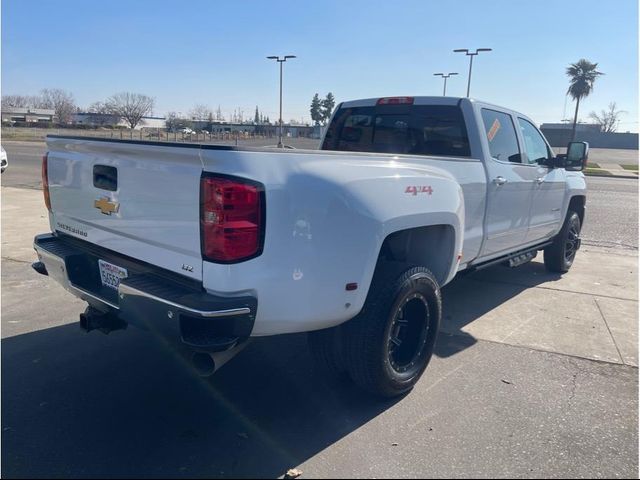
[(512, 259)]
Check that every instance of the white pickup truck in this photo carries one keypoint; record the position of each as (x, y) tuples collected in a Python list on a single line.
[(211, 245)]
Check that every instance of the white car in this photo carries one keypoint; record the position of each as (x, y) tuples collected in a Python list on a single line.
[(187, 131), (4, 161), (209, 245)]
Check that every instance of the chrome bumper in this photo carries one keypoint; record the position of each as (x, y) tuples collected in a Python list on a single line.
[(148, 296)]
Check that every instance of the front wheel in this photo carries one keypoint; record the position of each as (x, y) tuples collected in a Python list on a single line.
[(559, 256), (390, 342)]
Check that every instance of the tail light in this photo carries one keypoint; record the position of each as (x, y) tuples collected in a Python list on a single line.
[(232, 219), (45, 181), (395, 101)]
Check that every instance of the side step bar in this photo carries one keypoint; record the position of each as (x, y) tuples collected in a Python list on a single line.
[(514, 259)]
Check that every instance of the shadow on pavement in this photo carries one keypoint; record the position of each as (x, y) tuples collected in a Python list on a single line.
[(124, 405), (470, 296), (78, 405)]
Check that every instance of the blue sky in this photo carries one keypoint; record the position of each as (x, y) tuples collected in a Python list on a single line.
[(183, 53)]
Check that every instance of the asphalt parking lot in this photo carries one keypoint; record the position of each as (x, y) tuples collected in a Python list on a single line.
[(535, 375)]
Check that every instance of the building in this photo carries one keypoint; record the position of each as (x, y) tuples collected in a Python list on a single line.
[(559, 135), (27, 115), (108, 120)]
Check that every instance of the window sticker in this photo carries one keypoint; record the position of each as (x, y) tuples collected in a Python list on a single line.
[(493, 130)]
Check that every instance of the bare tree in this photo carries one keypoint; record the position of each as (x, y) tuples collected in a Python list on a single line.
[(172, 121), (98, 107), (18, 101), (59, 100), (201, 112), (130, 107), (608, 119), (99, 114)]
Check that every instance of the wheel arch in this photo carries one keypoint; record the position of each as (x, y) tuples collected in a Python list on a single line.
[(577, 203), (432, 246)]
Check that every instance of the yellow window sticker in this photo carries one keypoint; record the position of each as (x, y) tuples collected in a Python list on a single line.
[(493, 130)]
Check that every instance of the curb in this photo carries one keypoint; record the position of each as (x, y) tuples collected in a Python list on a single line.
[(612, 175)]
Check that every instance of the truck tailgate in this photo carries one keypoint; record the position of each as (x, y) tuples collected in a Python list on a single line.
[(137, 199)]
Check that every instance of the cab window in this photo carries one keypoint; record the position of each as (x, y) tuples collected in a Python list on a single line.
[(437, 130), (535, 146)]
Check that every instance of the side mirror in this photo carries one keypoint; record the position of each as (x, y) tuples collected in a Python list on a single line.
[(577, 156)]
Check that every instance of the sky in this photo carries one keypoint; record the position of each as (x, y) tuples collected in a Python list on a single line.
[(213, 52)]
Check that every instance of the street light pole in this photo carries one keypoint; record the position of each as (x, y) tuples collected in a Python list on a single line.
[(280, 61), (444, 92), (471, 55)]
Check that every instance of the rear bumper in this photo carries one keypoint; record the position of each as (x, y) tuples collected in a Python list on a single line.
[(149, 297)]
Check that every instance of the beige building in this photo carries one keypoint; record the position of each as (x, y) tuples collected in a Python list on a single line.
[(29, 115)]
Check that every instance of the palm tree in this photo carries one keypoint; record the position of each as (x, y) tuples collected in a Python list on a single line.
[(582, 75)]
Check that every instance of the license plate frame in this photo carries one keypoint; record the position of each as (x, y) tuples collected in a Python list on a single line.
[(111, 275)]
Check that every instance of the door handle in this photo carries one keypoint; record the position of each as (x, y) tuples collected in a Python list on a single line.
[(500, 180), (539, 180)]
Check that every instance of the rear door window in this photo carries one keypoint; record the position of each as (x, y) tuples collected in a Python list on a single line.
[(413, 129), (501, 136)]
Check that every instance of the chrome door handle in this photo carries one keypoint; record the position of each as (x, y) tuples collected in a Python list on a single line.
[(539, 180), (499, 180)]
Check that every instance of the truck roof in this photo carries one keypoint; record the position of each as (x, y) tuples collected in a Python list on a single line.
[(427, 100)]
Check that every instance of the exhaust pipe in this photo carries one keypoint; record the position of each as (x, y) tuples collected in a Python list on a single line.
[(94, 319), (207, 363), (204, 363)]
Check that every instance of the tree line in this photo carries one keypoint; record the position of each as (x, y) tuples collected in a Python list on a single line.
[(132, 107), (60, 101), (321, 109), (127, 106)]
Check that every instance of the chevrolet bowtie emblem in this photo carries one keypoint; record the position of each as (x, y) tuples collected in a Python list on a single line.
[(106, 206)]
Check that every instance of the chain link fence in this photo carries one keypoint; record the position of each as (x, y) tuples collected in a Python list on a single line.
[(160, 135)]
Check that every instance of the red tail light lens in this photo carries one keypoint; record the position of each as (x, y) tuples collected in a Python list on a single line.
[(45, 181), (395, 101), (231, 219)]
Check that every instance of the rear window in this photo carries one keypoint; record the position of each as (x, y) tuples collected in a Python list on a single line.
[(411, 129)]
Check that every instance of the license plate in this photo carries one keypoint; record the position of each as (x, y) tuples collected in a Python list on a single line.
[(111, 274)]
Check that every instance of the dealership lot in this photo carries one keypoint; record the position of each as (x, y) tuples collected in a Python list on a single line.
[(534, 375)]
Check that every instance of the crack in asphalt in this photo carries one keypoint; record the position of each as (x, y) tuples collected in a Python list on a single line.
[(606, 244), (16, 260)]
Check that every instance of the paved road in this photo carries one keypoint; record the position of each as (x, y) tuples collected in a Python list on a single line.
[(612, 218), (609, 155), (612, 212)]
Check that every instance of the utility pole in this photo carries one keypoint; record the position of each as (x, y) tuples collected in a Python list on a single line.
[(280, 61), (471, 55)]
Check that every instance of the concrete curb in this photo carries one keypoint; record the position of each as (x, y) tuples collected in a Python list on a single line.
[(612, 175)]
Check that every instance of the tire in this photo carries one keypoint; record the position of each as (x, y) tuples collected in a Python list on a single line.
[(559, 256), (326, 350), (389, 344)]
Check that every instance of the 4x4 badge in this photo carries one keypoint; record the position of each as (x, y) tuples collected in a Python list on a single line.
[(415, 190), (106, 206)]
